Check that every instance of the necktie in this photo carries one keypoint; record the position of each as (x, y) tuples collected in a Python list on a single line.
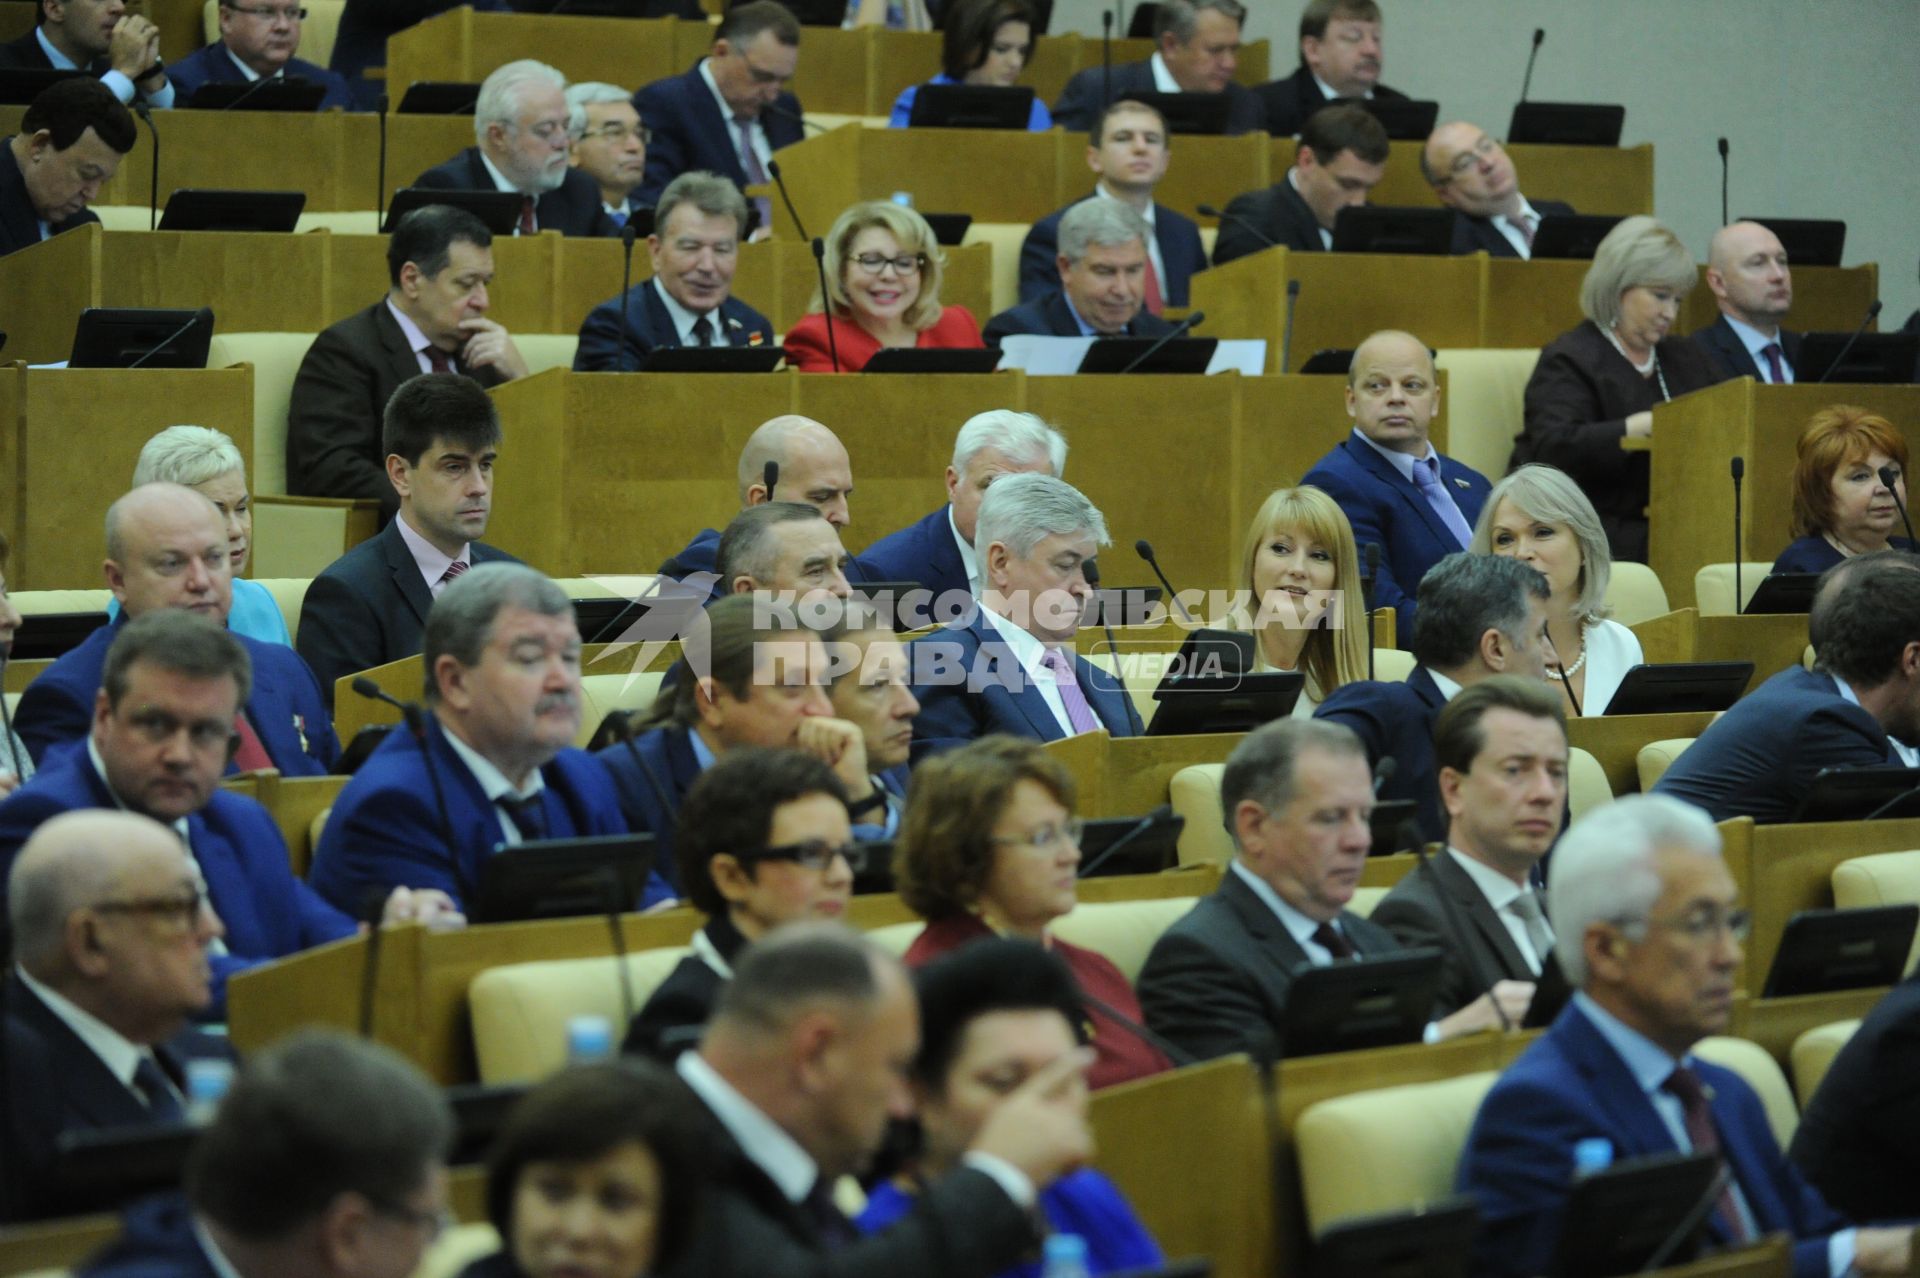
[(1526, 908), (618, 219), (526, 814), (1079, 713), (437, 360), (835, 1230), (154, 1087), (249, 755), (703, 332), (1426, 473), (527, 226), (1155, 303), (1776, 371), (1525, 225), (750, 165), (1684, 1084), (1333, 941), (454, 569)]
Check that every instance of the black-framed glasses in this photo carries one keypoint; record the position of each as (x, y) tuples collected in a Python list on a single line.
[(182, 908), (271, 13), (1047, 836), (813, 854), (905, 264)]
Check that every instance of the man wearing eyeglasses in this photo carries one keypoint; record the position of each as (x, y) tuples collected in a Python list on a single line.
[(1473, 175), (609, 144), (1648, 928), (258, 40), (766, 842)]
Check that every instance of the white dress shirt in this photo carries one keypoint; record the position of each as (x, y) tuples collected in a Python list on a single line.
[(432, 561), (1501, 892), (1511, 229), (1163, 81), (1029, 652), (968, 560), (1612, 650), (684, 319), (757, 130), (1332, 94), (1299, 926), (495, 785)]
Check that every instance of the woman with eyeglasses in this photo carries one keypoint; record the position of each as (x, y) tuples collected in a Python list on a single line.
[(883, 288), (763, 839), (984, 42), (990, 847)]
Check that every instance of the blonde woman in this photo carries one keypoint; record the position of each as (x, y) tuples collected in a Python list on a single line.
[(1298, 551)]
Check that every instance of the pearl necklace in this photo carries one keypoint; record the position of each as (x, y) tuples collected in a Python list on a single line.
[(1567, 672), (1652, 365)]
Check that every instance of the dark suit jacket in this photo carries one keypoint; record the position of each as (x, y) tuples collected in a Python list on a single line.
[(650, 796), (19, 223), (156, 1238), (1289, 102), (1278, 212), (608, 345), (1396, 719), (361, 41), (1081, 101), (1759, 758), (1387, 508), (286, 708), (1729, 355), (970, 684), (572, 208), (369, 606), (1578, 400), (1050, 317), (672, 1019), (339, 400), (1216, 982), (1855, 1141), (1571, 1085), (1414, 912), (211, 65), (1175, 233), (1477, 234), (923, 551), (690, 133)]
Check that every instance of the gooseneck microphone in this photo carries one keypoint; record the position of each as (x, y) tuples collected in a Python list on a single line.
[(372, 912), (204, 313), (1092, 572), (1887, 477), (1139, 830), (261, 83), (416, 718), (1456, 925), (380, 174), (1144, 549), (796, 117), (826, 299), (1371, 553), (145, 112), (1873, 313), (1178, 330), (1106, 58), (1723, 181), (1383, 772), (773, 171), (1739, 595), (769, 476), (623, 728), (1286, 334), (1526, 82), (627, 336), (1220, 215)]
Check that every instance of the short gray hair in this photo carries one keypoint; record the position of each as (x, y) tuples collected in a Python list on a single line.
[(1182, 17), (750, 546), (1640, 252), (1014, 435), (1021, 510), (187, 455), (1105, 223), (1261, 767), (710, 193), (1603, 869), (590, 93), (499, 100), (1548, 495), (460, 624)]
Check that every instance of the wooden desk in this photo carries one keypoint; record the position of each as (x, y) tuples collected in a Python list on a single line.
[(1774, 1023), (1599, 180), (293, 802), (1771, 642), (467, 46), (1615, 740), (1128, 776)]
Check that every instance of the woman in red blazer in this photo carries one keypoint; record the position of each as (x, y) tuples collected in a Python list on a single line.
[(883, 283)]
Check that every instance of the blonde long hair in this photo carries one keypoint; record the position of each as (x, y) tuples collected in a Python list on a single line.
[(1331, 657)]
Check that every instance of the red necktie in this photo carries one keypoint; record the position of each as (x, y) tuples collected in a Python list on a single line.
[(249, 755), (1684, 1084), (526, 216), (1333, 942), (1154, 301), (1772, 351), (437, 360)]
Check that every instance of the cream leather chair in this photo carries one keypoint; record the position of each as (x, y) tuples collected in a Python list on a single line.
[(1756, 1066), (36, 603), (276, 361), (520, 1010), (543, 351), (1195, 794), (1587, 786), (1486, 404), (289, 593), (601, 694), (1813, 1053), (1365, 898), (1635, 594), (1713, 587), (352, 222), (127, 217), (1006, 238), (1123, 932), (1656, 757), (458, 1247), (1385, 1150), (1885, 878)]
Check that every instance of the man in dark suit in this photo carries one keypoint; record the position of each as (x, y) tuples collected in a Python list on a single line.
[(732, 111), (361, 41), (1858, 707), (872, 688), (781, 548), (811, 1036), (1129, 150), (71, 141), (937, 550), (433, 320), (367, 608), (1009, 664), (1103, 268), (1199, 48), (1340, 59), (494, 764), (1488, 618), (698, 226), (1501, 747), (1856, 1133), (167, 549), (1649, 930), (1748, 273), (1341, 157), (120, 49), (111, 930), (1395, 488), (766, 844), (1472, 174), (258, 39), (609, 145), (521, 121)]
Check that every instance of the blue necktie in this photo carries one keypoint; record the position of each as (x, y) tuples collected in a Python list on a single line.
[(1426, 473), (151, 1082)]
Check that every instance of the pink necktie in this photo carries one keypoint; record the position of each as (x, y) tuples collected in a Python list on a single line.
[(1079, 713), (1777, 370)]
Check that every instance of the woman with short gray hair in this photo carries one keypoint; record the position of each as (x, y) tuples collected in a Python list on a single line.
[(1598, 384)]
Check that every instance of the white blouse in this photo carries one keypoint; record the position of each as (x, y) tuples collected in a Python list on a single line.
[(1612, 650)]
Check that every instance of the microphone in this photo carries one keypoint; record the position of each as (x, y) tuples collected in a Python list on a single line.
[(1723, 181), (204, 313), (416, 719), (1873, 313), (1140, 828), (1887, 477), (1144, 549), (769, 476), (1722, 1177), (1286, 334), (623, 728), (1383, 772), (1371, 552), (826, 300), (1092, 572), (1739, 595), (773, 171), (627, 336), (1539, 36), (1221, 215), (1106, 58), (1456, 926), (145, 112), (380, 190), (1177, 330), (1178, 1055), (373, 909), (616, 907), (261, 83)]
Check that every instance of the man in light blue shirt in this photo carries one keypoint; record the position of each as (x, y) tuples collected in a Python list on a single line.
[(1748, 273), (101, 38)]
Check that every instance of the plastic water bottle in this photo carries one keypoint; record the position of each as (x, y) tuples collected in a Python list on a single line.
[(1064, 1256), (903, 198), (1594, 1154), (589, 1039), (207, 1084)]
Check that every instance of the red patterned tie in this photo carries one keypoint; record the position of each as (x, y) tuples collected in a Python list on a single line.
[(1777, 370), (438, 361), (454, 569), (249, 755), (1155, 303), (1684, 1084), (1333, 942), (527, 226)]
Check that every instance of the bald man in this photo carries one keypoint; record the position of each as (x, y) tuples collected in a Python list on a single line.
[(1398, 492), (167, 548), (1748, 273), (111, 929), (1472, 174)]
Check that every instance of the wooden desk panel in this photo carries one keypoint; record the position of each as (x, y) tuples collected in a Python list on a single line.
[(522, 297), (331, 156), (415, 143), (17, 17), (464, 45), (1201, 170), (1617, 181), (1530, 303), (1128, 776), (1825, 298), (254, 282), (1615, 740), (43, 289)]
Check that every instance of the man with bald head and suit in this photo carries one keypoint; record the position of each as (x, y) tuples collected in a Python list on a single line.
[(1472, 174), (1748, 273)]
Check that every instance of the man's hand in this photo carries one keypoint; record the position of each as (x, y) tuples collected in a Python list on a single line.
[(1640, 425), (429, 907), (134, 45), (1513, 998), (8, 782), (841, 746), (1887, 1250), (490, 346), (1041, 1127)]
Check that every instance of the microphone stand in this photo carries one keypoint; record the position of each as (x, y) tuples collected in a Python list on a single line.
[(1372, 555), (416, 719), (205, 312), (773, 171), (1723, 181), (1739, 594), (1140, 828), (1144, 549), (1873, 313), (1106, 58), (373, 909), (1092, 571), (380, 180), (627, 335), (1539, 35), (1177, 330), (1286, 334), (826, 299), (1887, 477), (1218, 215)]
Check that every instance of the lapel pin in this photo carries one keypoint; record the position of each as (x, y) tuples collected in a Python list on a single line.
[(1459, 482)]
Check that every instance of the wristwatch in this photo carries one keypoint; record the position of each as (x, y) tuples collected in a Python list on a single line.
[(878, 799)]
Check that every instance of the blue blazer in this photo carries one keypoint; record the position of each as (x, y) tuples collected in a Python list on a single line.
[(1396, 719), (1176, 234), (386, 829), (607, 346), (992, 694), (286, 708), (650, 798), (156, 1237), (1039, 119), (211, 65), (1387, 508), (923, 551), (1727, 353), (689, 132), (1051, 317), (1759, 758), (1571, 1085)]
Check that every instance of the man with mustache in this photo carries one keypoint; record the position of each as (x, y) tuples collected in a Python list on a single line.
[(496, 764), (1748, 273), (1340, 59)]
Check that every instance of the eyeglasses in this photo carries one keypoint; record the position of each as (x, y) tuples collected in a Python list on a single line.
[(814, 854), (183, 910), (434, 1220), (1702, 926), (618, 133), (906, 264), (1479, 151), (1046, 836), (272, 14)]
